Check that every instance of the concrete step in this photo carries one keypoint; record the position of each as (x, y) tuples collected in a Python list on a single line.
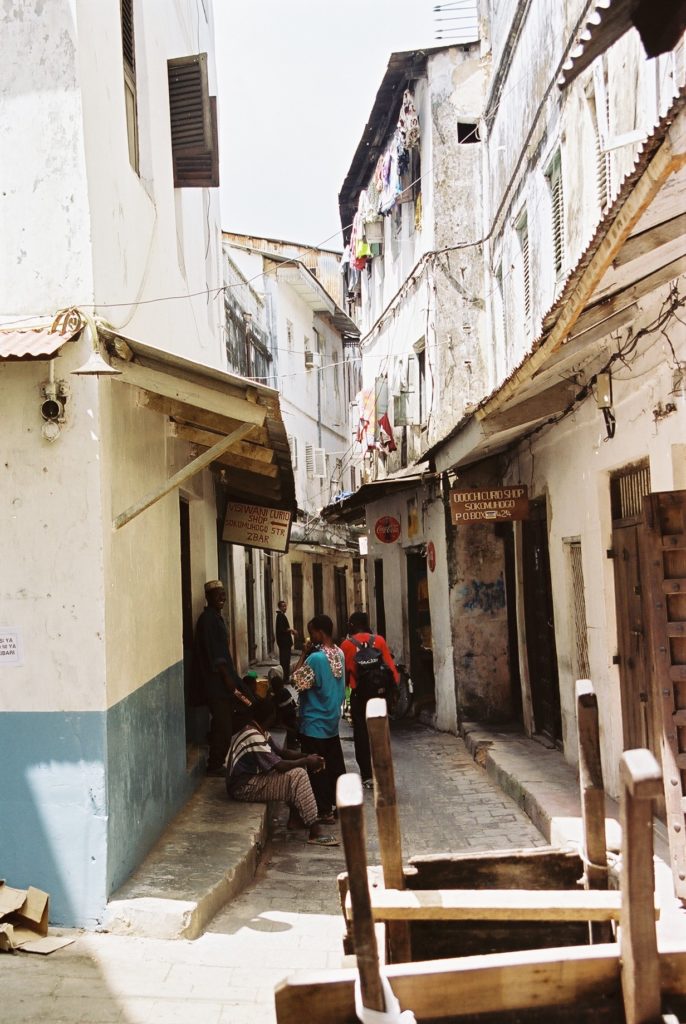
[(207, 855)]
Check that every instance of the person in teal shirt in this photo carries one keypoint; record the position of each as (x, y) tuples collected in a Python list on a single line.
[(319, 677)]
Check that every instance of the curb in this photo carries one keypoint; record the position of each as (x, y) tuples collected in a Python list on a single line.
[(162, 902)]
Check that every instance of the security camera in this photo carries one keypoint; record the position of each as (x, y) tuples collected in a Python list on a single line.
[(54, 393), (52, 409)]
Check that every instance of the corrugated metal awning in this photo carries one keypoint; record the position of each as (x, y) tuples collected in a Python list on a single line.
[(33, 343), (352, 508), (660, 23)]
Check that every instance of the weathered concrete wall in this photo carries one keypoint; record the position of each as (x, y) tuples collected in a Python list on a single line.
[(478, 606), (525, 129)]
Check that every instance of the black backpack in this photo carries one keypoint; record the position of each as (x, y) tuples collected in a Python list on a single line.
[(374, 677)]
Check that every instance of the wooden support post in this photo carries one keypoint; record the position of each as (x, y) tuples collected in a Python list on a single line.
[(641, 783), (202, 462), (591, 785), (350, 801), (592, 799), (387, 820)]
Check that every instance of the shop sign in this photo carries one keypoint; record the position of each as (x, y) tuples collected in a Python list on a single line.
[(431, 555), (257, 526), (493, 504), (387, 529)]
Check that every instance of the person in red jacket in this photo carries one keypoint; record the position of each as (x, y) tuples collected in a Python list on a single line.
[(359, 630)]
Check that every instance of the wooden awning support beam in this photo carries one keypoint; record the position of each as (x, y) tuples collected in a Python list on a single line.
[(198, 464)]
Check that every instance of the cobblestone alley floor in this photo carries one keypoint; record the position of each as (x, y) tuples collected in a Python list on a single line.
[(288, 920)]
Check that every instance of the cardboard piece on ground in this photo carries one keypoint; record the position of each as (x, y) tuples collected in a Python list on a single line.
[(48, 944), (24, 921)]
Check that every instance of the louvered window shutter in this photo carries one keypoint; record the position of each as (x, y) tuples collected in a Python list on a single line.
[(320, 462), (309, 459), (293, 445), (558, 200), (193, 117), (128, 48), (526, 268)]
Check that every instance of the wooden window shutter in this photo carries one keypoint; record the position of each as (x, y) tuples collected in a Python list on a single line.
[(127, 43), (523, 232), (558, 218), (193, 118)]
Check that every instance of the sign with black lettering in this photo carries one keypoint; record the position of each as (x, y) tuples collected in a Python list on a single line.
[(494, 504), (256, 526), (11, 647)]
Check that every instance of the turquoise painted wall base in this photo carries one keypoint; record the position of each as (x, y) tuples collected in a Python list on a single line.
[(85, 795)]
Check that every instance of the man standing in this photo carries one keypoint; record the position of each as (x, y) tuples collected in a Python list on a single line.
[(284, 640), (220, 682), (361, 645)]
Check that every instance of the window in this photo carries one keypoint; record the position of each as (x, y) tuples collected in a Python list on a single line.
[(353, 479), (421, 368), (554, 176), (318, 343), (289, 334), (499, 322), (467, 132), (523, 237), (128, 45), (315, 461), (193, 118), (599, 104), (336, 361)]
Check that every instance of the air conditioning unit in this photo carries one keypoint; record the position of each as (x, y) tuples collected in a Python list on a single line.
[(309, 359), (401, 412)]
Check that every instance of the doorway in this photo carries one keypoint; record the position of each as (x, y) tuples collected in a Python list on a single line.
[(540, 623), (627, 489), (341, 597), (297, 601), (318, 587), (419, 625), (250, 602), (268, 584), (379, 605)]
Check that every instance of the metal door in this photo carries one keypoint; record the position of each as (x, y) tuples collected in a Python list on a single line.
[(318, 587)]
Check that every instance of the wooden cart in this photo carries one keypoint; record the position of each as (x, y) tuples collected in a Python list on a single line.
[(625, 983)]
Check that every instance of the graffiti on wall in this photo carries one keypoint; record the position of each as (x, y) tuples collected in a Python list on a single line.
[(478, 595)]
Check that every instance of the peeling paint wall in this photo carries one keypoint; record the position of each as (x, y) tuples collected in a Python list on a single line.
[(529, 125), (478, 606), (98, 702), (573, 463)]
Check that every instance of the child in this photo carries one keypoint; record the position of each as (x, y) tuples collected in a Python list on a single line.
[(286, 704)]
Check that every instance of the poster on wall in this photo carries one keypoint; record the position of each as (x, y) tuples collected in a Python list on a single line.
[(494, 504), (257, 526), (387, 529), (431, 556), (11, 647)]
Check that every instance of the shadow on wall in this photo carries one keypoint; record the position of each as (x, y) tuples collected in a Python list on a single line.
[(53, 821)]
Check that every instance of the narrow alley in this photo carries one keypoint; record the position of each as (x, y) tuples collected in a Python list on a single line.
[(288, 920)]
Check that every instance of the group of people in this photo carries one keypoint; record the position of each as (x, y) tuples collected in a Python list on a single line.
[(241, 747)]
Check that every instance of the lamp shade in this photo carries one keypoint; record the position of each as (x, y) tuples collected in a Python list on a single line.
[(95, 366)]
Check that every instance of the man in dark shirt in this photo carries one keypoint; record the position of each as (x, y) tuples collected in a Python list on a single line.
[(222, 686), (284, 640)]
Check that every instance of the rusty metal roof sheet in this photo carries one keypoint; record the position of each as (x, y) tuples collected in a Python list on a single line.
[(29, 343), (659, 22)]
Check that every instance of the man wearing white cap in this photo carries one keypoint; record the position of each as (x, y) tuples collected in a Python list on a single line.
[(221, 684)]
